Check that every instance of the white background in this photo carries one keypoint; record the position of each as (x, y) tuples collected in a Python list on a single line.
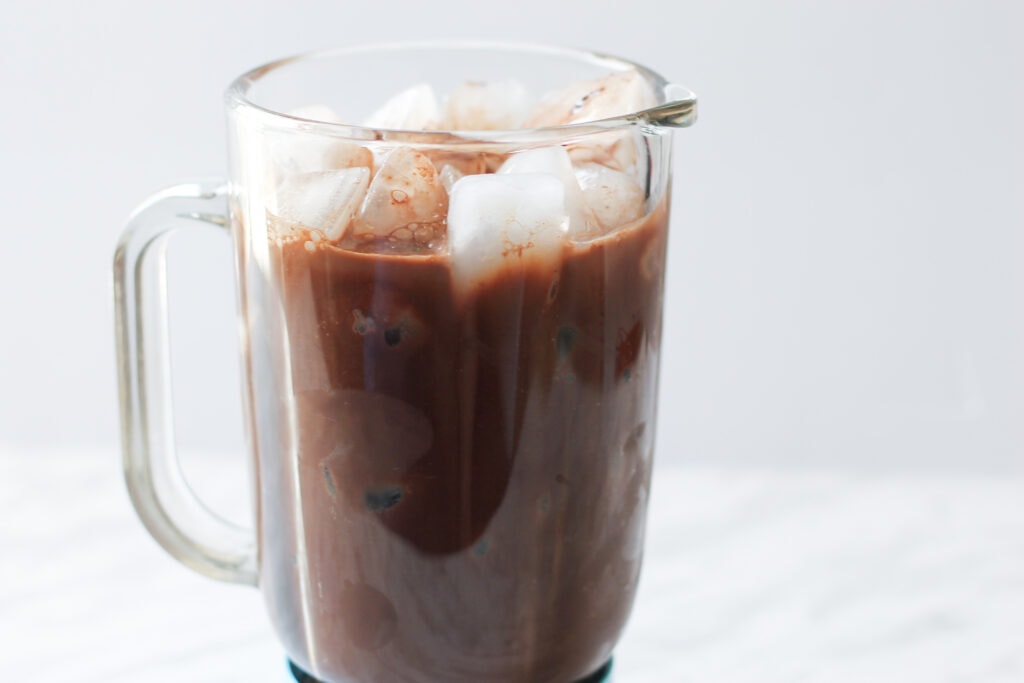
[(847, 262)]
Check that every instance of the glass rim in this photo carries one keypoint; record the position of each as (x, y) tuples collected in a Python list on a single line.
[(677, 106)]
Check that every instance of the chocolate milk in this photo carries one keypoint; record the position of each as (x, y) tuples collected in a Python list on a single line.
[(473, 464)]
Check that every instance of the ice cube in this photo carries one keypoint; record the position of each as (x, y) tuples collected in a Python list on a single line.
[(622, 150), (467, 163), (509, 219), (414, 108), (613, 95), (303, 151), (476, 105), (449, 176), (323, 200), (614, 197), (406, 193), (555, 161)]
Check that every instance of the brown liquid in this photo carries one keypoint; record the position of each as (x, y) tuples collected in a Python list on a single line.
[(473, 467)]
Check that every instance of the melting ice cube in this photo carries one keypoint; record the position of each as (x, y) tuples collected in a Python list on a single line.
[(614, 197), (613, 95), (466, 163), (323, 200), (414, 108), (449, 176), (555, 161), (622, 150), (494, 220), (476, 105), (407, 192)]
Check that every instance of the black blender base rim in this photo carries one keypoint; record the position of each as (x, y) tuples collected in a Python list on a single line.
[(599, 676)]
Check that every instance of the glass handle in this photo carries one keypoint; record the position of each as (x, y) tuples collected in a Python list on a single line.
[(171, 512)]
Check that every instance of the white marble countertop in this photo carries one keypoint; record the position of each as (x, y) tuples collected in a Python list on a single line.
[(749, 576)]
